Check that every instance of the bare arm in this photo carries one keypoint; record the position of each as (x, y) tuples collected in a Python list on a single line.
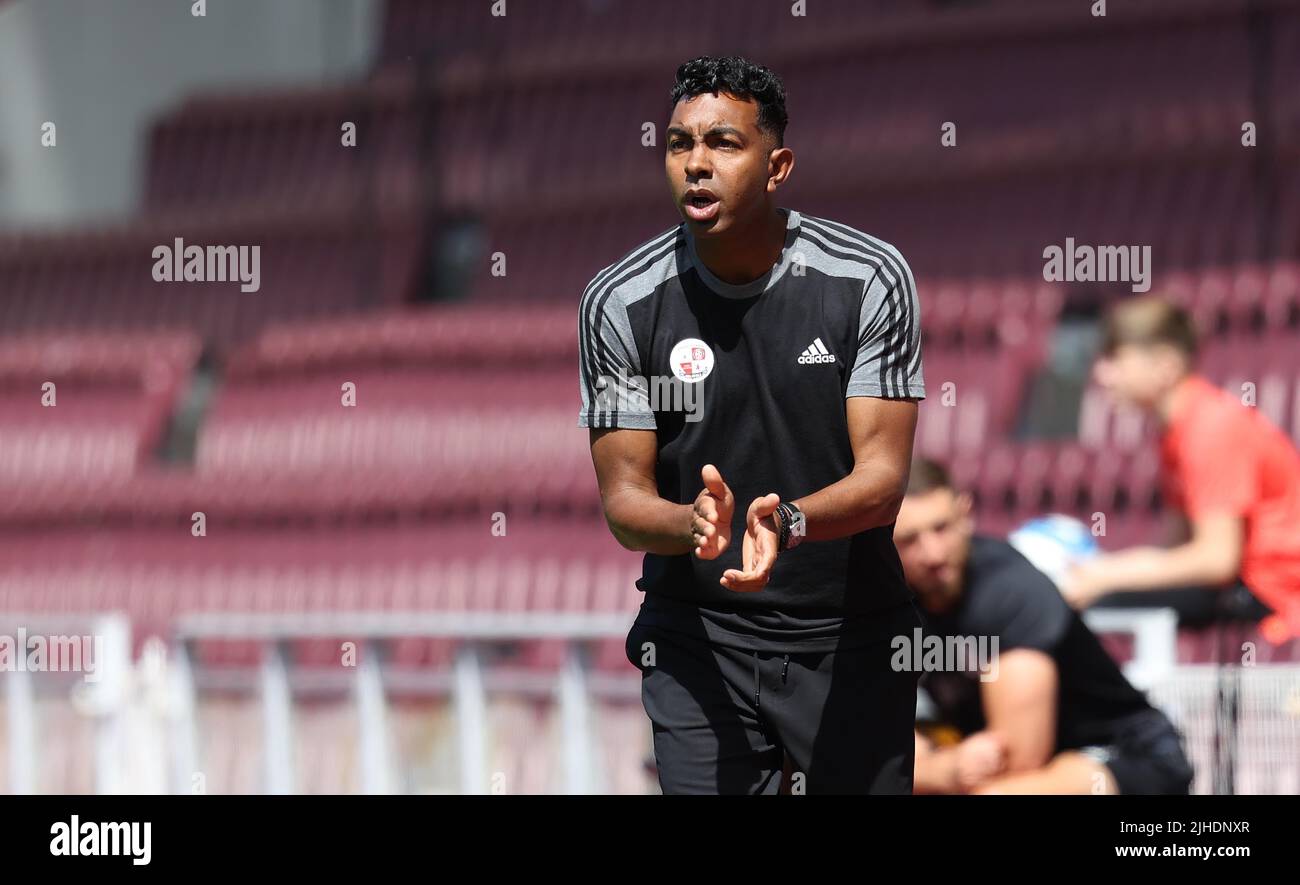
[(881, 432), (1020, 707), (1211, 557), (1020, 734), (1175, 528), (961, 768), (637, 516)]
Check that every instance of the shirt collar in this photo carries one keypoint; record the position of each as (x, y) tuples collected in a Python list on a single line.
[(753, 287)]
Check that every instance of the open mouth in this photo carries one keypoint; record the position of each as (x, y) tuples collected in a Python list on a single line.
[(701, 206)]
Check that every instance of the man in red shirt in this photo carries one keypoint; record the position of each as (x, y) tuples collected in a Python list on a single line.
[(1231, 473)]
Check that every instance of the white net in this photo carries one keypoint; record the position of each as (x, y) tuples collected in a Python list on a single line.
[(1265, 751)]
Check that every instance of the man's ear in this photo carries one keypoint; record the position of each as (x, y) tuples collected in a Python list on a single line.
[(780, 163), (1173, 362), (965, 504)]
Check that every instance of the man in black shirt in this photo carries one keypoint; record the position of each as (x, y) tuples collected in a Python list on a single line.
[(750, 379), (1053, 714)]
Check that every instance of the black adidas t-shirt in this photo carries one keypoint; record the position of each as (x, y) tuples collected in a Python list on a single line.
[(1006, 597), (753, 378)]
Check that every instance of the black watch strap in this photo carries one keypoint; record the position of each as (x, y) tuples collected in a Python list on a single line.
[(792, 525)]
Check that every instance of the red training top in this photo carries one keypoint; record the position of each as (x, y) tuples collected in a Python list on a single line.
[(1223, 457)]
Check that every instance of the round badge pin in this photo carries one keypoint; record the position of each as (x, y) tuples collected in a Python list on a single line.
[(692, 360)]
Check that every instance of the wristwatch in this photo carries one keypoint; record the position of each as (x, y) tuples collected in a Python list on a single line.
[(792, 525)]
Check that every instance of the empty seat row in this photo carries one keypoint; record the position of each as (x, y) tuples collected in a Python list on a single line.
[(1238, 299), (465, 337), (86, 408), (117, 280)]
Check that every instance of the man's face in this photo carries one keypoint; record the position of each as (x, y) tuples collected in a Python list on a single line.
[(932, 534), (1137, 375), (718, 162)]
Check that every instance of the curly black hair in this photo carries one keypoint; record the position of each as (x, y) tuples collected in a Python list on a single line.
[(741, 78)]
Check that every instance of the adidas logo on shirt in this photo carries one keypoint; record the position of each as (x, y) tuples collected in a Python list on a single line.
[(816, 353)]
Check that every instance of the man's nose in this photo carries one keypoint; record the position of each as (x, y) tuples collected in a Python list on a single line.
[(932, 549), (697, 163)]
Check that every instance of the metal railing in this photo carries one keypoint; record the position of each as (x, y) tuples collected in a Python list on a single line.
[(144, 717)]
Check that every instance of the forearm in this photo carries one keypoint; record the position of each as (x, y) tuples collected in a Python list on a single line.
[(1153, 568), (640, 520), (868, 497), (1028, 750)]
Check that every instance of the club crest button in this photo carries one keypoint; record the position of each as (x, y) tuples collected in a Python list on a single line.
[(692, 360)]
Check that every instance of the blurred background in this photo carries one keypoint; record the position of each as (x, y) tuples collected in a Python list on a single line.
[(342, 533)]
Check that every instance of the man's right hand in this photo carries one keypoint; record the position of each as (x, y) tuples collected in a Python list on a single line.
[(979, 757), (711, 518)]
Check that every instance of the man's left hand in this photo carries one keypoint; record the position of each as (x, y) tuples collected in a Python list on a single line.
[(759, 549)]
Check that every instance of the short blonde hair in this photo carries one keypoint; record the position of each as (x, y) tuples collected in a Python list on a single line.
[(1146, 321)]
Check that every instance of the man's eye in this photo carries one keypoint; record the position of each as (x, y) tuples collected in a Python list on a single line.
[(677, 143)]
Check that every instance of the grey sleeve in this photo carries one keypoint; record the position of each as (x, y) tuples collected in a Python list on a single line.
[(888, 362), (614, 393)]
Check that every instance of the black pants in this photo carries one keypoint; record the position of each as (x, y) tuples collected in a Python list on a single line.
[(724, 719), (1197, 607), (1147, 757)]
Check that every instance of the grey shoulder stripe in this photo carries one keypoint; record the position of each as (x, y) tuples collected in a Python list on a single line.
[(888, 373), (633, 256), (913, 328), (892, 295), (619, 267), (845, 241), (860, 255), (849, 252), (895, 360), (595, 343), (590, 295), (904, 342)]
